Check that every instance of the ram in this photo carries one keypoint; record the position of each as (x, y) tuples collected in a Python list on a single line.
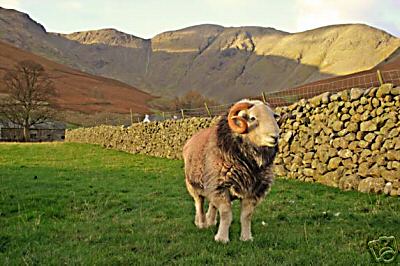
[(232, 160)]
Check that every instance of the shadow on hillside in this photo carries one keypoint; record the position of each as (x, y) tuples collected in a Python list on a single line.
[(227, 75), (392, 61)]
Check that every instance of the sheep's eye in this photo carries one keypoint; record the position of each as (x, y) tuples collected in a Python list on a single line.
[(277, 116), (252, 118)]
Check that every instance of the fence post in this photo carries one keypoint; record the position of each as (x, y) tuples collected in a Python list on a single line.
[(207, 109), (263, 97), (378, 72), (183, 115), (131, 116)]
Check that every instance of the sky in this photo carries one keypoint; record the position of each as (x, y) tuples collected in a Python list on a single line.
[(146, 18)]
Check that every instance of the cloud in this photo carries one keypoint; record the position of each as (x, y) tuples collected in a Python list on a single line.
[(13, 4), (71, 5), (316, 13), (229, 4)]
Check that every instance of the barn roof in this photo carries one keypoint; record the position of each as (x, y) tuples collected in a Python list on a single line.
[(44, 125)]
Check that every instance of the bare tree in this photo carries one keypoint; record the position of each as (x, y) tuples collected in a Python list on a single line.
[(30, 96), (191, 99)]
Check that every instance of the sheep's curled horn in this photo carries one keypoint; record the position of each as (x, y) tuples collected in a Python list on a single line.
[(240, 126)]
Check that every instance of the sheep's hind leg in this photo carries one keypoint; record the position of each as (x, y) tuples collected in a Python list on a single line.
[(199, 219), (211, 216)]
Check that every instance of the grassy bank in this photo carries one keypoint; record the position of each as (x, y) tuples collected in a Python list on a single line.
[(70, 203)]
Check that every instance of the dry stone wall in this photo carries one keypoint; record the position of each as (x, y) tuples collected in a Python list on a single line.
[(349, 139), (161, 139)]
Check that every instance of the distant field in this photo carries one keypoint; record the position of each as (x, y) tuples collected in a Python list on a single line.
[(66, 203)]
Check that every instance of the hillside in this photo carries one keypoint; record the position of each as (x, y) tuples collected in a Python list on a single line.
[(390, 73), (79, 91), (220, 62)]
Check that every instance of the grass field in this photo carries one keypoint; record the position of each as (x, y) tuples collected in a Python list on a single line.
[(69, 204)]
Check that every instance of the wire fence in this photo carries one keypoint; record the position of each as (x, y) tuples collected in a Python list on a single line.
[(367, 80), (275, 99), (289, 96)]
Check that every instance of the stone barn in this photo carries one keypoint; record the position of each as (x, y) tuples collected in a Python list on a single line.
[(48, 131)]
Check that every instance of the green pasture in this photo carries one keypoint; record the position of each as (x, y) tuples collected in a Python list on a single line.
[(75, 204)]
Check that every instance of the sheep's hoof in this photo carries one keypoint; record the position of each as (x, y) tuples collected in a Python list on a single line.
[(211, 222), (201, 225), (246, 238), (220, 239)]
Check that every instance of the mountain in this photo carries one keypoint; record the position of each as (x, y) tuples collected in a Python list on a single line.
[(224, 63), (389, 71), (110, 37), (79, 91)]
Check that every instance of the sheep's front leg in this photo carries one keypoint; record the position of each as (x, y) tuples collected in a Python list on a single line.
[(225, 214), (246, 213)]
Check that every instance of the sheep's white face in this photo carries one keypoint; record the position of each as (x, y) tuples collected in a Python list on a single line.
[(263, 129)]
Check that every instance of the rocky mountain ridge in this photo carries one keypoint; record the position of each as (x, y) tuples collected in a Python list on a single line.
[(224, 63)]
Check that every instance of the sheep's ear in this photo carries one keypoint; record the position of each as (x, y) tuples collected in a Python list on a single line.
[(282, 118), (244, 114)]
